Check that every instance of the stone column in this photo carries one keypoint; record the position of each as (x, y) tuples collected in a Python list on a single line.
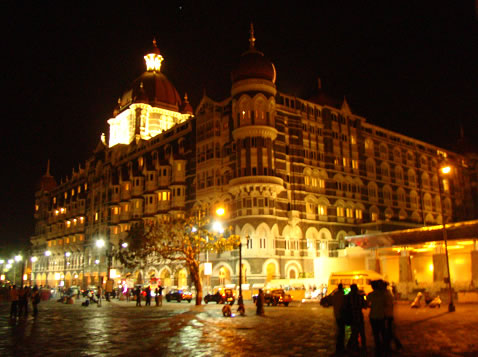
[(373, 261), (439, 265), (474, 264), (405, 273)]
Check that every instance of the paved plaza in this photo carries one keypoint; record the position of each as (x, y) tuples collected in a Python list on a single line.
[(182, 329)]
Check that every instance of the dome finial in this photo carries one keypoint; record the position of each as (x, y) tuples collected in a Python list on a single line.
[(153, 58), (48, 168), (252, 39)]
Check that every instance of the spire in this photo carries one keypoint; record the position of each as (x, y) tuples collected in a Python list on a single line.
[(48, 168), (252, 39)]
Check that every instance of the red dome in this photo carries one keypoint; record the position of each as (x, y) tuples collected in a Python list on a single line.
[(253, 64), (155, 89)]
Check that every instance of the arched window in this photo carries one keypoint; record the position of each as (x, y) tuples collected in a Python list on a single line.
[(399, 174), (385, 170), (413, 200), (412, 179), (401, 197), (372, 191), (370, 166), (383, 151), (387, 194)]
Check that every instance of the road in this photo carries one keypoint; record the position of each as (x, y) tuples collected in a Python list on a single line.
[(182, 329)]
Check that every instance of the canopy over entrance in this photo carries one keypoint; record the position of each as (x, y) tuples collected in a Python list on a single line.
[(455, 231)]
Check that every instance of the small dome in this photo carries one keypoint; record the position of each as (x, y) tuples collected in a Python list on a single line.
[(155, 89), (253, 64)]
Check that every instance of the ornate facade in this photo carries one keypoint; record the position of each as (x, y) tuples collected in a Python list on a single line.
[(295, 177)]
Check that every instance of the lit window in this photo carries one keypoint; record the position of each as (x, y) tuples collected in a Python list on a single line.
[(358, 214), (353, 140), (37, 208), (56, 212), (355, 164), (74, 221), (82, 220), (321, 183), (54, 200), (72, 192), (68, 224), (179, 166), (49, 243), (350, 212), (446, 185), (340, 211), (79, 189), (322, 210), (66, 195), (96, 216), (374, 216), (86, 186), (307, 180), (67, 240)]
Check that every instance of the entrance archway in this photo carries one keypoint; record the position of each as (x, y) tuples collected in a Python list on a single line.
[(165, 276), (270, 271), (182, 278)]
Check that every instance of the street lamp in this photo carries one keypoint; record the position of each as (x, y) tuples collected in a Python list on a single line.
[(240, 300), (445, 170)]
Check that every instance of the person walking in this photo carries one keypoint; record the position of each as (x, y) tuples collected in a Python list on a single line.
[(148, 296), (260, 303), (376, 300), (356, 303), (156, 296), (160, 295), (138, 296), (389, 322), (100, 293), (338, 300), (14, 301), (35, 300)]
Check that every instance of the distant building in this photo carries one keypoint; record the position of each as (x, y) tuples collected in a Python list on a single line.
[(294, 175)]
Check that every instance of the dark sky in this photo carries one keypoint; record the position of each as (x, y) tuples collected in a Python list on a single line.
[(410, 66)]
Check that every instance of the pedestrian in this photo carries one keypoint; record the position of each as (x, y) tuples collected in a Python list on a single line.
[(148, 296), (161, 295), (35, 300), (389, 321), (356, 302), (338, 300), (26, 300), (376, 300), (100, 292), (138, 296), (14, 301), (156, 296), (260, 303)]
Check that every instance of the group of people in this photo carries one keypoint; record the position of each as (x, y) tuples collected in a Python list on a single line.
[(20, 299), (158, 296), (348, 311)]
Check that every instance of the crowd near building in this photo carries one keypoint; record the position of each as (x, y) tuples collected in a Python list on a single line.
[(295, 176)]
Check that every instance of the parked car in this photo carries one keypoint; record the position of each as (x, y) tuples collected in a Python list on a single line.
[(276, 297), (221, 296), (179, 295)]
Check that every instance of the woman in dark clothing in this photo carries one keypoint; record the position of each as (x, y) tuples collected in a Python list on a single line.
[(260, 303)]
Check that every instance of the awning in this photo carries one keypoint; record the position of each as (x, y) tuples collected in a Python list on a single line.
[(455, 231)]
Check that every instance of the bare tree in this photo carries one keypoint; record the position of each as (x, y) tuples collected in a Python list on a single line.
[(181, 240)]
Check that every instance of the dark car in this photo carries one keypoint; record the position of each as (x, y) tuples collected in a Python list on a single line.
[(276, 297), (221, 296), (179, 295)]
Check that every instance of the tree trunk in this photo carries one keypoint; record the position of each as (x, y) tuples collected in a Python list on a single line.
[(194, 271)]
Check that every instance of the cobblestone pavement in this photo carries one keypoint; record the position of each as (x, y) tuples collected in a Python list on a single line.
[(182, 329)]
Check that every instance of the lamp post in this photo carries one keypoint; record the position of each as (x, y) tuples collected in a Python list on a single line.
[(445, 170), (100, 243), (240, 300), (47, 255), (17, 258)]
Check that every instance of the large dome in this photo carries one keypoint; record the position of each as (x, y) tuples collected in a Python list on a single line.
[(155, 89), (253, 64)]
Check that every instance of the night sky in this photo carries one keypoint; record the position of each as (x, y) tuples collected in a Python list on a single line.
[(408, 67)]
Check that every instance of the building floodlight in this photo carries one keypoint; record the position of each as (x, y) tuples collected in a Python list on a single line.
[(100, 243)]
